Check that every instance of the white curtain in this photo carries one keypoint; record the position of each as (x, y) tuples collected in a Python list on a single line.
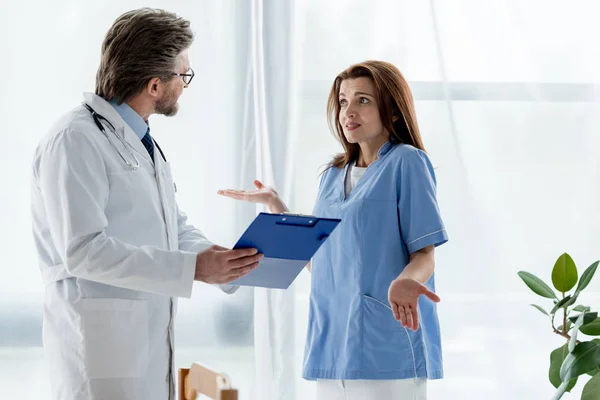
[(268, 144), (50, 53), (507, 100)]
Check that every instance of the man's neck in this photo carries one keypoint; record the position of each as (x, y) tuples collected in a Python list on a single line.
[(141, 107)]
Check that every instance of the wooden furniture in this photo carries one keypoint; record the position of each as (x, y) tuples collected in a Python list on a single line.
[(201, 379)]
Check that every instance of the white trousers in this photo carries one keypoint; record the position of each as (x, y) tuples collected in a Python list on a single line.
[(399, 389)]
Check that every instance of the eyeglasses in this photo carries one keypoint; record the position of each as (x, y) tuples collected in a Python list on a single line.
[(187, 78)]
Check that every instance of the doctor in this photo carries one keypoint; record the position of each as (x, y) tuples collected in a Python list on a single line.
[(114, 249)]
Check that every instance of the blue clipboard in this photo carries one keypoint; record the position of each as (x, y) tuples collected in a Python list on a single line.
[(288, 242)]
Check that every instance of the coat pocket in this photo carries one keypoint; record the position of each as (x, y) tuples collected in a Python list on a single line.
[(115, 337)]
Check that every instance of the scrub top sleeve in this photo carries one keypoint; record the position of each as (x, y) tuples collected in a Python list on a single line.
[(421, 224), (322, 178)]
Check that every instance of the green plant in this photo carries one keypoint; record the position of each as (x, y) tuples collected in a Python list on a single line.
[(576, 357)]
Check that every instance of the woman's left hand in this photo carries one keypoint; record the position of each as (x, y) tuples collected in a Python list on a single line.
[(403, 296)]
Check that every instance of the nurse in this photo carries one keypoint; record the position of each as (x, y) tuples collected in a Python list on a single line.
[(373, 330)]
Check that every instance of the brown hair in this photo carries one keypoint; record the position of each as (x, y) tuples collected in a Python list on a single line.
[(394, 99), (141, 44)]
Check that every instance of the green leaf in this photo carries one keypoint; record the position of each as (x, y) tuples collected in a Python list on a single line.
[(562, 303), (556, 359), (581, 308), (564, 273), (591, 390), (586, 277), (589, 317), (597, 369), (541, 309), (592, 328), (584, 358), (537, 285)]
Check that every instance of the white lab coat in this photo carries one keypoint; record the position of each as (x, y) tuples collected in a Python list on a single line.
[(114, 251)]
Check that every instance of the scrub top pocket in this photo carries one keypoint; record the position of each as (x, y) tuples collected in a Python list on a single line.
[(386, 343)]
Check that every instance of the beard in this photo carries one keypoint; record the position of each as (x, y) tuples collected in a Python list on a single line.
[(167, 105)]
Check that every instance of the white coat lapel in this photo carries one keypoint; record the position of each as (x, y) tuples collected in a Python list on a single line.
[(166, 187), (103, 108)]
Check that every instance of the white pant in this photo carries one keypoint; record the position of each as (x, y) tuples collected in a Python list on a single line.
[(399, 389)]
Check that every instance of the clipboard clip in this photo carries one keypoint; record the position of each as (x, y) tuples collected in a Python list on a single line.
[(297, 220), (297, 215)]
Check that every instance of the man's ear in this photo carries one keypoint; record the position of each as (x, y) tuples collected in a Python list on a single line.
[(153, 87)]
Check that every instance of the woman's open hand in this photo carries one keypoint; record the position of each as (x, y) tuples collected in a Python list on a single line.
[(403, 296), (265, 195)]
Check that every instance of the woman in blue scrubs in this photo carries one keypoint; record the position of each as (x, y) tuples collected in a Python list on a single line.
[(373, 330)]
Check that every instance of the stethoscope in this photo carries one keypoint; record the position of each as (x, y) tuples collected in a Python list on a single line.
[(98, 119)]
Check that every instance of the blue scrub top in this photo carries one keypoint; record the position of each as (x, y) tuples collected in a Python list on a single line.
[(391, 212)]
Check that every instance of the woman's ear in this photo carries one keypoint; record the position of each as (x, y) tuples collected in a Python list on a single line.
[(395, 117)]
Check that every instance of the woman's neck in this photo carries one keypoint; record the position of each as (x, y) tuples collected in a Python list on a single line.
[(369, 151)]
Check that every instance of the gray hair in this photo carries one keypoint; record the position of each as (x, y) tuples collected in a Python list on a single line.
[(140, 45)]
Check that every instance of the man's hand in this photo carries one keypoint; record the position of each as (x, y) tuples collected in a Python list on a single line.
[(219, 265)]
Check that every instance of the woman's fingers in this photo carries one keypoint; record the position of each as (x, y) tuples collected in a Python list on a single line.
[(415, 318), (402, 314), (234, 194), (226, 192), (395, 311), (258, 184), (231, 191), (409, 317)]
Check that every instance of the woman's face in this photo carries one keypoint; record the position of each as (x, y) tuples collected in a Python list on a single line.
[(359, 111)]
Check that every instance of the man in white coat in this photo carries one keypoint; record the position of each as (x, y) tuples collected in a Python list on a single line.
[(114, 249)]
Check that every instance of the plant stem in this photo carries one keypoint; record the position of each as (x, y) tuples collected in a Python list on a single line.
[(565, 335), (564, 328)]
